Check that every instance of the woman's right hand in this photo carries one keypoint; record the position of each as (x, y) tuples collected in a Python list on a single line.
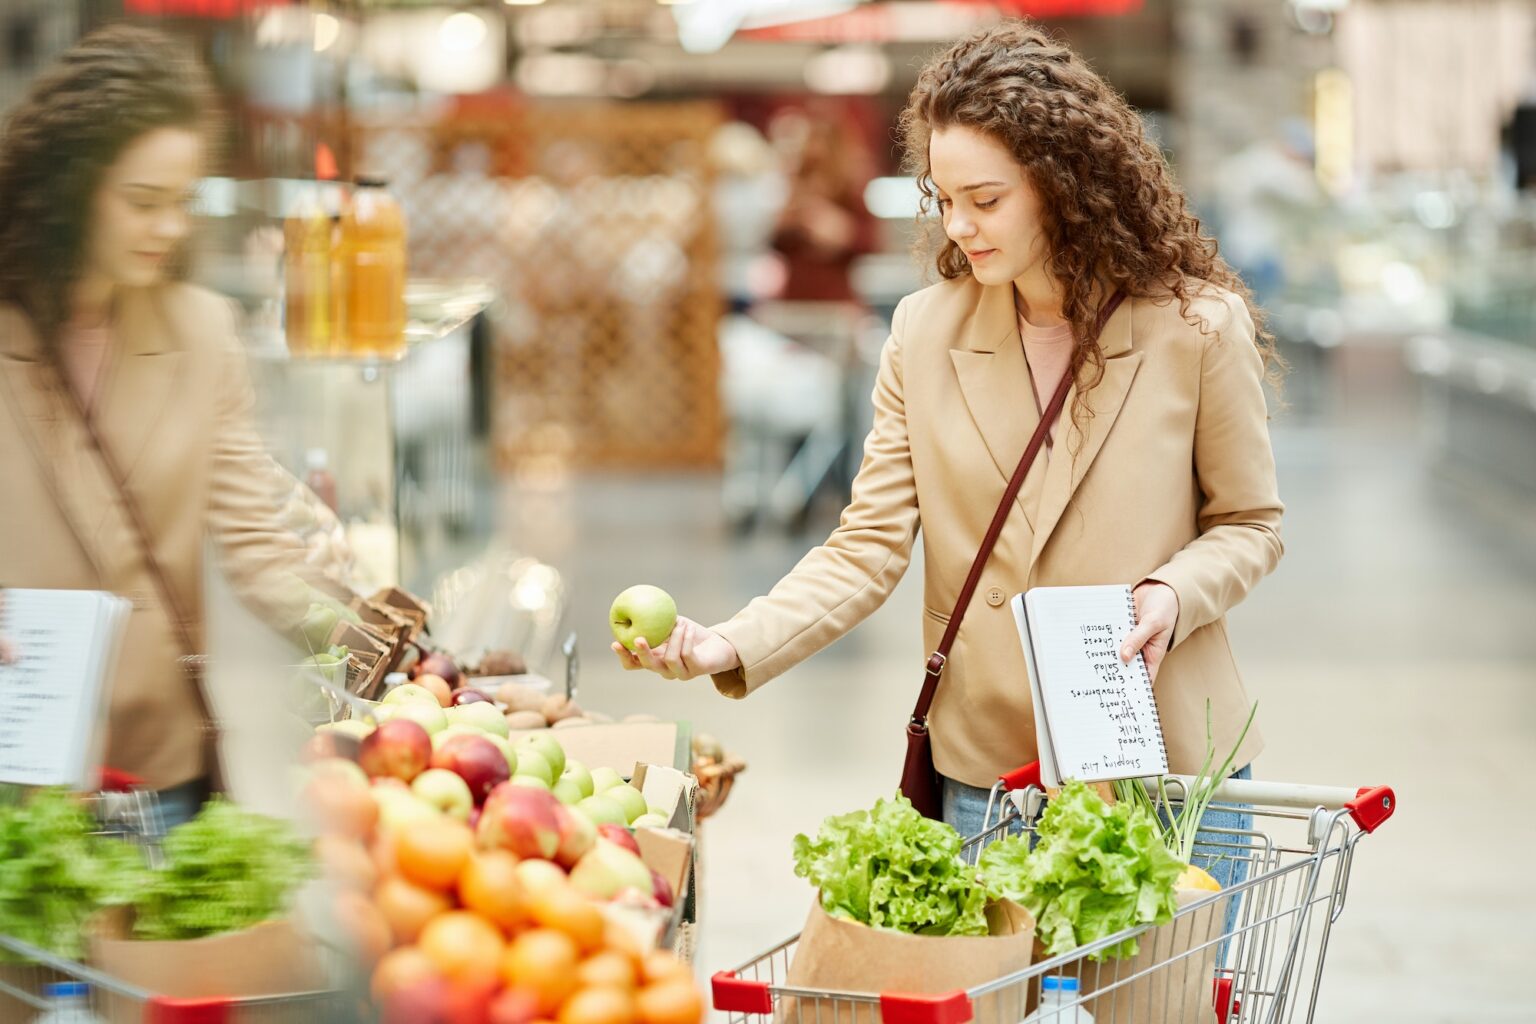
[(692, 650)]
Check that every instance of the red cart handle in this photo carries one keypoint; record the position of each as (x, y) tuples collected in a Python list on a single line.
[(1022, 778), (115, 780)]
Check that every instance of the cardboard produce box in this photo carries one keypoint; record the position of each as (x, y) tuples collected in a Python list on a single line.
[(620, 745), (850, 957)]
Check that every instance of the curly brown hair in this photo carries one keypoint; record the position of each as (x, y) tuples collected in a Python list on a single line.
[(1114, 217), (76, 119)]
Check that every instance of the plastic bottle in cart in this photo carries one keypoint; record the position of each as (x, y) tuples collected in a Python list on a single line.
[(69, 1002), (1058, 999)]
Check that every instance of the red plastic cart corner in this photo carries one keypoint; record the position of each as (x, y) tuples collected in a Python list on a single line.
[(1022, 778), (1371, 806), (163, 1010), (949, 1008), (738, 995)]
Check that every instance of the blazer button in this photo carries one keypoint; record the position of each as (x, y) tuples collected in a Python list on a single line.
[(995, 597)]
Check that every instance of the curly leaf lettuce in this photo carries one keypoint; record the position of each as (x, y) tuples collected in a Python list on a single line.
[(890, 867), (1096, 870)]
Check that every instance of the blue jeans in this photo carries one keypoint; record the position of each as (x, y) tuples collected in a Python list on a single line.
[(180, 804), (965, 807)]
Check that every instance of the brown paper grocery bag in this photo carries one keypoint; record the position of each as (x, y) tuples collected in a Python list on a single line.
[(1178, 989), (848, 957), (272, 958)]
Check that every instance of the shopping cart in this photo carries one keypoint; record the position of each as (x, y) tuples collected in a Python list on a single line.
[(1266, 968), (126, 811)]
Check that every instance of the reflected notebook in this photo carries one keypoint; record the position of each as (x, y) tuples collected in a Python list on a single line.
[(53, 698), (1095, 717)]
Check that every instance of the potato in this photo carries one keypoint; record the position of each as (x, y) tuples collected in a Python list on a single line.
[(558, 707), (526, 720), (518, 697), (571, 723)]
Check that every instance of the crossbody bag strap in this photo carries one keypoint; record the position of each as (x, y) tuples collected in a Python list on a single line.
[(937, 660)]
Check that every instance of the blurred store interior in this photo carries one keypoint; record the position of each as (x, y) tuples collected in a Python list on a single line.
[(654, 248)]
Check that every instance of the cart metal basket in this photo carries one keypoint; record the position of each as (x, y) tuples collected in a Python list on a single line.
[(1267, 966)]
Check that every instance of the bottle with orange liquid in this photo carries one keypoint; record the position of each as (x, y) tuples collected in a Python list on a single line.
[(371, 255), (307, 313)]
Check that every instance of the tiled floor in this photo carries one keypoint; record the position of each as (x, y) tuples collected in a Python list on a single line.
[(1395, 644)]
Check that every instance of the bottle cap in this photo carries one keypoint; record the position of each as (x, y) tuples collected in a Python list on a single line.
[(1058, 983), (66, 989)]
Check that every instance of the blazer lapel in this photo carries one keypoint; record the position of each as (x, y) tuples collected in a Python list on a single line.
[(142, 383), (1071, 461), (82, 494), (989, 363)]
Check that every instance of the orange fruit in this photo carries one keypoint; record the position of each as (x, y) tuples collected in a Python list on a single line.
[(599, 1006), (489, 887), (544, 962), (675, 1001), (570, 912), (434, 852), (408, 907), (608, 969), (463, 945), (341, 806), (399, 969), (663, 966), (346, 862), (359, 920)]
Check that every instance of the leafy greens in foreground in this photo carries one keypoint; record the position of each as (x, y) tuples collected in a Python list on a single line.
[(1096, 870), (890, 867)]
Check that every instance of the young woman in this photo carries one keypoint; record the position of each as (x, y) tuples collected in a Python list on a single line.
[(124, 408), (1160, 473)]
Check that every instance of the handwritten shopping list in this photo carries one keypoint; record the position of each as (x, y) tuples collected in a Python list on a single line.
[(1102, 716)]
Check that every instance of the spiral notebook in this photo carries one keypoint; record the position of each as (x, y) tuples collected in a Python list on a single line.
[(1095, 718), (53, 697)]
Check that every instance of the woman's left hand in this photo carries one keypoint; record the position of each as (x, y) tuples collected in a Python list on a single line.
[(1157, 610)]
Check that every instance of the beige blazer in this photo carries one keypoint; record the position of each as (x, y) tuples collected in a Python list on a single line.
[(1171, 479), (175, 412)]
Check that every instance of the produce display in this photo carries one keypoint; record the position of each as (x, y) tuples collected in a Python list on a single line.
[(484, 878)]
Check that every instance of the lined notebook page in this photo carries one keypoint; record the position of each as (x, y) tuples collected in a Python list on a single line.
[(1099, 712), (52, 699)]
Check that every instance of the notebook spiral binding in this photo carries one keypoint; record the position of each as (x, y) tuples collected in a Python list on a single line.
[(1146, 677)]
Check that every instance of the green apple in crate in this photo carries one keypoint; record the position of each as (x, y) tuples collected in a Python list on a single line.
[(642, 611)]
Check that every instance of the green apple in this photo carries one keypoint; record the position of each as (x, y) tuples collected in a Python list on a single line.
[(504, 745), (531, 781), (352, 727), (483, 715), (429, 716), (318, 623), (531, 762), (398, 808), (410, 693), (643, 611), (605, 778), (629, 798), (550, 747), (567, 791), (577, 772), (444, 790), (649, 821), (458, 729), (602, 811)]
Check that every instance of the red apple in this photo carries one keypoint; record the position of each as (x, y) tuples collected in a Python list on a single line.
[(469, 697), (522, 820), (620, 836), (437, 664), (398, 749), (476, 760), (662, 888), (577, 836)]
